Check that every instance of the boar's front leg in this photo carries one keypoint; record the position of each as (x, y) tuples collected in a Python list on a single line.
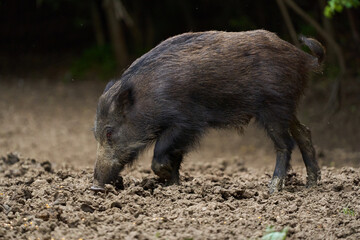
[(169, 150)]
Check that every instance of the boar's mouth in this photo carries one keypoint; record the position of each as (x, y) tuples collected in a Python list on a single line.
[(105, 173)]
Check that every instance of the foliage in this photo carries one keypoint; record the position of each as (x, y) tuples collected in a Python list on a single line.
[(348, 211), (97, 59), (338, 6), (272, 234)]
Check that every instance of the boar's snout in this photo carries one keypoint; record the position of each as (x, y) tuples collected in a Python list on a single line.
[(106, 171)]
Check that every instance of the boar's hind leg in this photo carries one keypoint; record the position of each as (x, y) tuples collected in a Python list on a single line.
[(284, 144), (169, 151), (302, 136)]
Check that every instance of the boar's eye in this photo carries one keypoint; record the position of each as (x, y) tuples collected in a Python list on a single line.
[(108, 135)]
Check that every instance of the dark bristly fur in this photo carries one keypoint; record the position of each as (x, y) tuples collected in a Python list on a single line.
[(196, 81)]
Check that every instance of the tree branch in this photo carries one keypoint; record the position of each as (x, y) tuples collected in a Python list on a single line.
[(121, 13), (288, 22)]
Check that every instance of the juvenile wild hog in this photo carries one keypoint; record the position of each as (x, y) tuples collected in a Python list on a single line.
[(196, 81)]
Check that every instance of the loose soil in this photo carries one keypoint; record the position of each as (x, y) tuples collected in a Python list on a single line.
[(218, 200), (223, 193)]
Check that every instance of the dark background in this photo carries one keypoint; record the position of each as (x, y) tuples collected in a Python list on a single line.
[(59, 36)]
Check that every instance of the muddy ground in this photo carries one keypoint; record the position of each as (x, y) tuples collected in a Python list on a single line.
[(44, 190), (218, 200)]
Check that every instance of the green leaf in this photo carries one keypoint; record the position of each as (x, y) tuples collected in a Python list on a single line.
[(338, 6), (348, 4), (275, 236), (271, 234), (327, 12)]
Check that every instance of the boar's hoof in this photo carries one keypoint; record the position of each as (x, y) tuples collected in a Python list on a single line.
[(276, 185), (312, 179), (96, 188), (174, 180), (165, 172), (162, 170)]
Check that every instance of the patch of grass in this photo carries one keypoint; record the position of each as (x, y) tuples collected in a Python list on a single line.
[(272, 234), (157, 235), (348, 211)]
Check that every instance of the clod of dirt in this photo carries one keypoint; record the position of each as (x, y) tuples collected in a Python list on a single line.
[(236, 193), (26, 193), (38, 183), (47, 166), (14, 173), (29, 181), (338, 187), (87, 208), (63, 174), (115, 205), (149, 184), (11, 158), (356, 181), (44, 215)]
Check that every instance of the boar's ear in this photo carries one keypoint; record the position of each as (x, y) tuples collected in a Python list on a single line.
[(109, 85), (125, 100)]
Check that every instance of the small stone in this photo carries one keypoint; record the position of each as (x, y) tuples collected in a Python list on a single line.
[(115, 205), (338, 188), (87, 208), (39, 183), (44, 215)]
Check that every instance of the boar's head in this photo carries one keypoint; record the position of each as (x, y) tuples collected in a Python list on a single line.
[(118, 138)]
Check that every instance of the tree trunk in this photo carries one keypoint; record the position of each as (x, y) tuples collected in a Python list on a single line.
[(353, 25), (136, 17), (97, 24), (116, 35)]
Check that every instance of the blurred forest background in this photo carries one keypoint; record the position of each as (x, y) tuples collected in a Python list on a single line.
[(69, 42), (102, 37)]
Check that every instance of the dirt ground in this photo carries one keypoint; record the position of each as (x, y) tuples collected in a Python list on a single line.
[(44, 192), (221, 199)]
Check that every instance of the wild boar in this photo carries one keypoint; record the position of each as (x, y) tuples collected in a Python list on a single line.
[(196, 81)]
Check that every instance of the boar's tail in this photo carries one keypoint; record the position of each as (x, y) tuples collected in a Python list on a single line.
[(317, 49)]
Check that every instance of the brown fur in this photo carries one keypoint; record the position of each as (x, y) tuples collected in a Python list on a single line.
[(195, 81)]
